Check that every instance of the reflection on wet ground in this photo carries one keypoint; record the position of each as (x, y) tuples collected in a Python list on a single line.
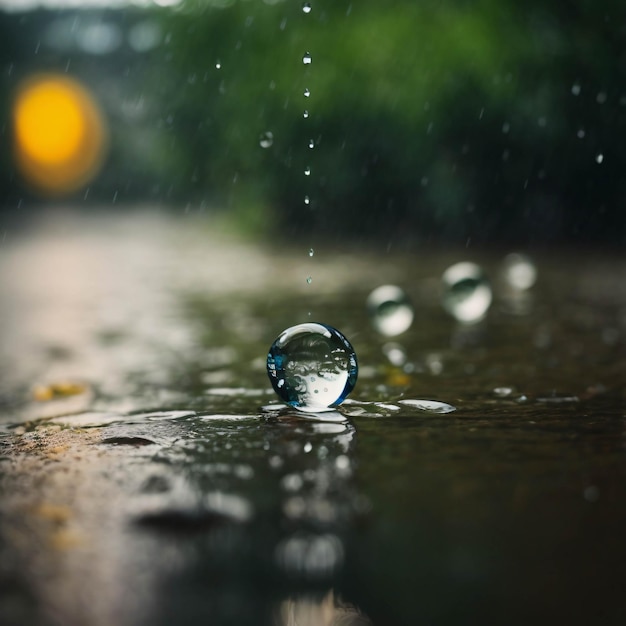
[(148, 473)]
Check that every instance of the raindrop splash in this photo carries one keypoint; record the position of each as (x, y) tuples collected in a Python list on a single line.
[(390, 310), (312, 367), (466, 292)]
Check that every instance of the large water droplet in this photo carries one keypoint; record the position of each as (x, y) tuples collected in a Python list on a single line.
[(466, 292), (306, 7), (266, 140), (519, 271), (390, 310), (306, 59), (312, 367)]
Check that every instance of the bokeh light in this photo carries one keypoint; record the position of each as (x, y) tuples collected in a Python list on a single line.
[(60, 136)]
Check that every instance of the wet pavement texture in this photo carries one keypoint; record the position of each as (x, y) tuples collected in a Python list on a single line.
[(148, 475)]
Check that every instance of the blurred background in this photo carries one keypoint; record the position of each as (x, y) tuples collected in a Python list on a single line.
[(462, 122)]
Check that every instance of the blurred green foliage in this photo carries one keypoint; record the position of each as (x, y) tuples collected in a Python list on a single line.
[(439, 120)]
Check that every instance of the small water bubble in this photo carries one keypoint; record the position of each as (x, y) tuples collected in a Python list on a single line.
[(316, 350), (305, 114), (519, 271), (599, 158), (266, 140), (311, 144), (307, 171), (306, 59), (466, 292), (309, 280), (307, 200), (311, 252), (306, 7), (307, 93), (390, 310)]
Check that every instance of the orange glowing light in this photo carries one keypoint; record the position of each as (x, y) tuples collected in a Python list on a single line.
[(59, 134)]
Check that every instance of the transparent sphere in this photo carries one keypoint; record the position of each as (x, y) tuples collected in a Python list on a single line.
[(390, 310), (519, 272), (466, 292), (312, 367)]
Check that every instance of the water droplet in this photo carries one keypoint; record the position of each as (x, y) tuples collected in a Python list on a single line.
[(306, 59), (466, 292), (315, 351), (576, 89), (581, 133), (307, 171), (306, 7), (432, 406), (311, 252), (266, 140), (305, 114), (307, 93), (309, 280), (218, 65), (311, 144), (390, 310), (599, 158), (395, 354), (519, 271), (307, 200)]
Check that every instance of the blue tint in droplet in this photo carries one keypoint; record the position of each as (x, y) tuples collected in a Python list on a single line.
[(312, 367)]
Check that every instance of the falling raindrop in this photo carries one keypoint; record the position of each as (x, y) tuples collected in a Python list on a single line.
[(311, 144), (599, 158), (218, 65), (306, 59), (309, 280), (390, 310), (519, 271), (305, 114), (307, 93), (307, 200), (311, 252), (306, 7), (466, 292), (312, 367), (266, 140), (307, 171)]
